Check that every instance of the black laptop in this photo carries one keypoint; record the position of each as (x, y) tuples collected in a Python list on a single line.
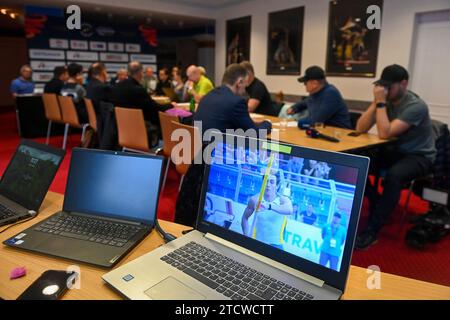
[(26, 180), (109, 207)]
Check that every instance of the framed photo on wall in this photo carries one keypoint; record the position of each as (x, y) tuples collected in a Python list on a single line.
[(284, 43), (238, 40), (352, 46)]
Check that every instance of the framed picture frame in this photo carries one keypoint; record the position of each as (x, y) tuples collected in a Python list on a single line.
[(352, 49), (284, 42), (238, 35)]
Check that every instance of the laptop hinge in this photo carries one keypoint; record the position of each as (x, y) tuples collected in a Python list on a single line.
[(268, 261), (103, 218)]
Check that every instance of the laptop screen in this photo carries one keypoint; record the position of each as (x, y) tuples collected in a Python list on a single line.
[(114, 184), (294, 204), (30, 173)]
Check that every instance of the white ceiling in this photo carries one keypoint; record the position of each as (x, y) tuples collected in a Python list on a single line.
[(211, 4)]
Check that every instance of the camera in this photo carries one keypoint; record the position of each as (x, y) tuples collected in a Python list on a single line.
[(430, 228)]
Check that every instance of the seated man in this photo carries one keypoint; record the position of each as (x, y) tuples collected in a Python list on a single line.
[(398, 113), (224, 107), (74, 88), (23, 84), (60, 76), (164, 82), (131, 94), (98, 89), (270, 214), (149, 81), (198, 85), (325, 104), (121, 74), (259, 97)]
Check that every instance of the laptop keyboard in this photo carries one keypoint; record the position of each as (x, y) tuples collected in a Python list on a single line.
[(89, 229), (5, 212), (228, 277)]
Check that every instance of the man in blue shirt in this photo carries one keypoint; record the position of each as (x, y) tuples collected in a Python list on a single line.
[(23, 84), (333, 236), (325, 103)]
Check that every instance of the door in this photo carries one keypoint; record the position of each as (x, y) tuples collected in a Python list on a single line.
[(430, 76)]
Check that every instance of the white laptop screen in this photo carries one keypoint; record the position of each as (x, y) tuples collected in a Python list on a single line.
[(298, 205)]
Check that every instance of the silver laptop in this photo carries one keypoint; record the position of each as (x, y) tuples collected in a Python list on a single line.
[(26, 180), (276, 222)]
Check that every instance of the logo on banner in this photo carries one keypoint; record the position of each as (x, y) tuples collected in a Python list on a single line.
[(59, 43), (131, 47), (98, 46), (87, 30)]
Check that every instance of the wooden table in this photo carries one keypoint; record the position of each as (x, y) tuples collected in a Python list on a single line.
[(93, 287), (293, 135)]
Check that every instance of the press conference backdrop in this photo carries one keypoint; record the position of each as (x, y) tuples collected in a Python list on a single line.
[(113, 42)]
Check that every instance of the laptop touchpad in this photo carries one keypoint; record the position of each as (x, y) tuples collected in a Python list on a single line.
[(172, 289)]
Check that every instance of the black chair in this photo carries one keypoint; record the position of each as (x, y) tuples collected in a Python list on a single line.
[(107, 127), (354, 117), (440, 169)]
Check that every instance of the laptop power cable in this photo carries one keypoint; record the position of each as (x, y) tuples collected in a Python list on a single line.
[(166, 236)]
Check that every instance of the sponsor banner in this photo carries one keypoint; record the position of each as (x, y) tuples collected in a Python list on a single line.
[(46, 54), (149, 58), (97, 45), (115, 46), (113, 57), (85, 65), (59, 43), (153, 66), (42, 76), (133, 47), (79, 44), (82, 55), (38, 65), (114, 67)]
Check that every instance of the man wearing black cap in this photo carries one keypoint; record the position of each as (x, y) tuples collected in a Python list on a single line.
[(325, 104), (397, 113)]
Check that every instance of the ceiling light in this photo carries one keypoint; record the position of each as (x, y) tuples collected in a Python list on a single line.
[(13, 15), (4, 11)]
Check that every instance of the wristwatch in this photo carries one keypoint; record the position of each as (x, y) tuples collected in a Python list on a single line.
[(381, 105)]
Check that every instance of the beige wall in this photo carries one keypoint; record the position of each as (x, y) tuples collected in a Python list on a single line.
[(395, 42)]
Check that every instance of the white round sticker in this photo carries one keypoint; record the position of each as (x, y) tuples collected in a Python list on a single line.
[(49, 290)]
